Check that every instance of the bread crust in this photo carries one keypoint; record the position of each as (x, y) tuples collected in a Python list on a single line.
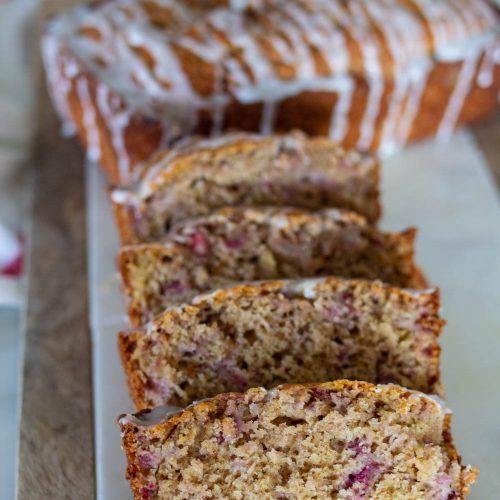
[(126, 341), (124, 222), (418, 280)]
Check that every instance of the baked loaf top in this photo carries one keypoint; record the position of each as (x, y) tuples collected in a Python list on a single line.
[(169, 59), (334, 440), (243, 169), (274, 332)]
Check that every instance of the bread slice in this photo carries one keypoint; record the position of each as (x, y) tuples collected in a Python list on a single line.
[(283, 332), (245, 169), (131, 76), (341, 439), (248, 244)]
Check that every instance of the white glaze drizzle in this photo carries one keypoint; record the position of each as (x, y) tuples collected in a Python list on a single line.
[(241, 4), (59, 87), (308, 287), (339, 115), (370, 48), (89, 120), (116, 123), (268, 117), (485, 74), (323, 34), (395, 34), (437, 401), (126, 28), (418, 84), (122, 196), (150, 417), (279, 220), (457, 98), (436, 11), (302, 57), (389, 142), (367, 130), (220, 101), (233, 26)]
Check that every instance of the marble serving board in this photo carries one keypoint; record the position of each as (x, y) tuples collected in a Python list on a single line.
[(446, 191)]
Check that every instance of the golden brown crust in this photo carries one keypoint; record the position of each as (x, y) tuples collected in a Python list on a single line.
[(124, 223), (126, 255), (291, 390), (418, 279), (126, 342), (430, 297)]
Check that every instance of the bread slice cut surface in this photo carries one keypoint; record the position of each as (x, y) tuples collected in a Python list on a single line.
[(275, 332), (348, 440), (242, 170), (247, 244)]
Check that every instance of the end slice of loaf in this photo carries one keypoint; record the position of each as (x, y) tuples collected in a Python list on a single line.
[(284, 332), (245, 169), (248, 244), (335, 440)]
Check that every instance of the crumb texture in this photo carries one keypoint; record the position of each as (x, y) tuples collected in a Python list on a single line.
[(249, 244), (277, 332), (249, 170), (339, 440)]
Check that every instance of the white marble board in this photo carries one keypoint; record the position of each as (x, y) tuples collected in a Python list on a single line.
[(446, 191)]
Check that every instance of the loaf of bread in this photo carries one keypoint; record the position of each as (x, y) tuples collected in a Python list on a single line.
[(285, 332), (243, 169), (130, 76), (247, 244), (342, 439)]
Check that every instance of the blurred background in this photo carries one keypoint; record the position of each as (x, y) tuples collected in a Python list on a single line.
[(17, 31)]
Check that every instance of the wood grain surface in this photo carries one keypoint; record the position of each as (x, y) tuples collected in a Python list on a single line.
[(56, 449)]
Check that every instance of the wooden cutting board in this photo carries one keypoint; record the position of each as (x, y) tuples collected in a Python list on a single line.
[(56, 450)]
